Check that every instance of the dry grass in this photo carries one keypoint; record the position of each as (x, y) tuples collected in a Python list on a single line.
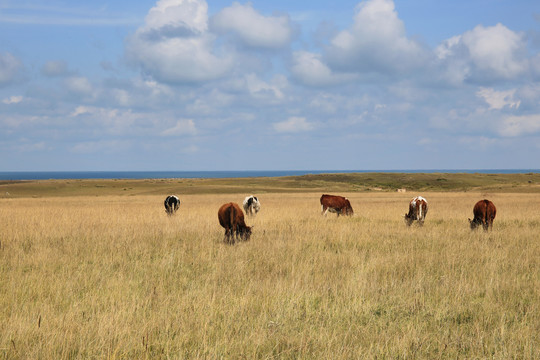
[(114, 277)]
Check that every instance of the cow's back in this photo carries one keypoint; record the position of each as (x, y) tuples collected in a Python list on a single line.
[(334, 201), (484, 213), (491, 210), (224, 215), (172, 203), (480, 209), (230, 215), (238, 215)]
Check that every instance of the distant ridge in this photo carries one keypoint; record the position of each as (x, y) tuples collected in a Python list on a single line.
[(46, 175)]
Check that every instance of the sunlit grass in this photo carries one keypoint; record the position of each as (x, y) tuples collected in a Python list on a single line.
[(116, 277)]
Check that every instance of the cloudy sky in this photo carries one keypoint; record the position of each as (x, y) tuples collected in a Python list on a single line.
[(260, 85)]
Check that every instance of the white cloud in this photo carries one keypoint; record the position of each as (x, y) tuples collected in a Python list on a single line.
[(496, 49), (499, 99), (55, 68), (179, 15), (447, 47), (44, 13), (192, 149), (79, 84), (376, 42), (12, 100), (174, 45), (122, 97), (9, 68), (30, 147), (520, 125), (293, 125), (182, 127), (476, 142), (261, 89), (252, 28), (455, 65), (484, 54), (113, 121), (309, 69), (425, 141), (82, 110), (104, 146)]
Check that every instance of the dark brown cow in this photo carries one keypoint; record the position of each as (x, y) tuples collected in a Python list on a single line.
[(484, 213), (418, 209), (231, 218), (336, 204)]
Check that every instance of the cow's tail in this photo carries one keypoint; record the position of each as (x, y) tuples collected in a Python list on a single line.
[(232, 219), (419, 211), (486, 214)]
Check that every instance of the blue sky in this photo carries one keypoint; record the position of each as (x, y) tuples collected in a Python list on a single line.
[(221, 85)]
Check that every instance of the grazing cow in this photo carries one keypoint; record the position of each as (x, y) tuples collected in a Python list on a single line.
[(336, 204), (251, 205), (231, 218), (418, 209), (484, 213), (172, 203)]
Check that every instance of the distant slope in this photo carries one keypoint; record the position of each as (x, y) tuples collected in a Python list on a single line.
[(348, 182), (430, 181)]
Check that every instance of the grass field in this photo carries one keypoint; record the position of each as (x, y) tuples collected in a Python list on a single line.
[(111, 276)]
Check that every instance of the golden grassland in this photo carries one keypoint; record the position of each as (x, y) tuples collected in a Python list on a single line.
[(114, 277)]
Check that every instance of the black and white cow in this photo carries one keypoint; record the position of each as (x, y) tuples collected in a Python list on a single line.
[(172, 203), (251, 205)]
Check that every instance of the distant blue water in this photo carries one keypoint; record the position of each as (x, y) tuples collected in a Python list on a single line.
[(44, 175)]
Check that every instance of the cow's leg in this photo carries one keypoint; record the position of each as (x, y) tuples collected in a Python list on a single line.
[(234, 234), (325, 210)]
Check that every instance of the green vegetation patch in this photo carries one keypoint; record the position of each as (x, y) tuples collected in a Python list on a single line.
[(349, 182)]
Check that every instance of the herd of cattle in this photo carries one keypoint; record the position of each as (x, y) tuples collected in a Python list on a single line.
[(231, 217)]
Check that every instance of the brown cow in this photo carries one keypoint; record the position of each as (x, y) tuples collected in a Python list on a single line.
[(231, 218), (418, 209), (336, 204), (484, 213)]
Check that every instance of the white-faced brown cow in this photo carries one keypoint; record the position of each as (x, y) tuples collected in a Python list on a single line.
[(484, 213), (418, 208), (336, 204), (252, 205), (172, 203), (231, 218)]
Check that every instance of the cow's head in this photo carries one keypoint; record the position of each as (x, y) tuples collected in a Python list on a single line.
[(347, 210), (246, 233), (256, 205), (474, 223), (408, 219)]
